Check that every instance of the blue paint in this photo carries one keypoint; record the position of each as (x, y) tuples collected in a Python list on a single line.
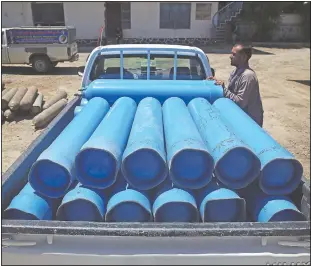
[(267, 208), (83, 204), (121, 64), (53, 172), (280, 171), (175, 65), (236, 165), (83, 102), (173, 204), (189, 160), (144, 159), (77, 110), (220, 204), (127, 204), (29, 205), (99, 160), (27, 189), (111, 90)]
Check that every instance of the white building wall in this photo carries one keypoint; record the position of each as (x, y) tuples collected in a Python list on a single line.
[(290, 19), (145, 23), (87, 17), (16, 14)]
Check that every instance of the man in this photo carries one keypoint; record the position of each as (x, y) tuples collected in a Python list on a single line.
[(243, 87), (119, 35)]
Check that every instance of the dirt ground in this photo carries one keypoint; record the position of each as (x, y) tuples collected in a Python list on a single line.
[(284, 78)]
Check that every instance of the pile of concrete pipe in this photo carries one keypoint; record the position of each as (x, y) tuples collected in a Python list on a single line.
[(25, 102), (174, 162)]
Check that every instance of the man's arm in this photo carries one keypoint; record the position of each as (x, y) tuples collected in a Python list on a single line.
[(244, 91)]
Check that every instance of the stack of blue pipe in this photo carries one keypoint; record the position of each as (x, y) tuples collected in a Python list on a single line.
[(162, 160)]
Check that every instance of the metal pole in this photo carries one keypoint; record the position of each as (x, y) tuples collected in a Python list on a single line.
[(121, 64), (148, 65), (175, 65)]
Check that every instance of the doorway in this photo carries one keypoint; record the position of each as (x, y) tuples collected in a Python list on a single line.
[(113, 18)]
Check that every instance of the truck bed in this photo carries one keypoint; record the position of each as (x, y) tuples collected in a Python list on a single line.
[(119, 242)]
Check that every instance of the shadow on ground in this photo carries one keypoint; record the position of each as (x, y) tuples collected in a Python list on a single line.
[(19, 117), (303, 82), (26, 70)]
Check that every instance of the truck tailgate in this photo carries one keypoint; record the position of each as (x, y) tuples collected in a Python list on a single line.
[(184, 250)]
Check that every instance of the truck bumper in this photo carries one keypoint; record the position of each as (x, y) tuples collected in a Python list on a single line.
[(75, 57)]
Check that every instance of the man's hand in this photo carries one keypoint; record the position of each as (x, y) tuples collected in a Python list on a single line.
[(220, 82), (217, 82)]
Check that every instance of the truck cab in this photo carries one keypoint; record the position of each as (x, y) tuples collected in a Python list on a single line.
[(41, 47)]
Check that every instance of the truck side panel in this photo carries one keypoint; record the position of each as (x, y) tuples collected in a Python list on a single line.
[(4, 48), (22, 54)]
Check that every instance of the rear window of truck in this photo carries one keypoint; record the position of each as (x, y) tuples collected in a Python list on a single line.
[(135, 67)]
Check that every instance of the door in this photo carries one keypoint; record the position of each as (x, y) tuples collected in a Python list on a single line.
[(113, 18), (4, 48)]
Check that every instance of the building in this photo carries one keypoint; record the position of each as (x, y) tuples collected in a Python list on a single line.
[(142, 22)]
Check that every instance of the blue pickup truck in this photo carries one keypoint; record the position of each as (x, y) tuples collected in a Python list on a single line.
[(167, 70)]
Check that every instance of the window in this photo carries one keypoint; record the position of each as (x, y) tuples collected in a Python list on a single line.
[(48, 14), (203, 11), (126, 15), (135, 67), (175, 15), (2, 37)]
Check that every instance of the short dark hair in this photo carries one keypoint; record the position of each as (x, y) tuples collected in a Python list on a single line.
[(246, 49)]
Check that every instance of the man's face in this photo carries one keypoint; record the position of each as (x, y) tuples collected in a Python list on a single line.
[(236, 57)]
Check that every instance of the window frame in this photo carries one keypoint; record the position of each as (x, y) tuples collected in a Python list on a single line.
[(199, 14), (99, 58), (176, 16), (43, 23)]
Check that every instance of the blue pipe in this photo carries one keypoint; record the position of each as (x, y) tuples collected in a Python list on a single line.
[(84, 101), (127, 204), (53, 172), (77, 110), (111, 90), (83, 204), (189, 160), (173, 204), (219, 204), (29, 205), (280, 171), (236, 166), (270, 208), (99, 160), (144, 159), (27, 189)]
